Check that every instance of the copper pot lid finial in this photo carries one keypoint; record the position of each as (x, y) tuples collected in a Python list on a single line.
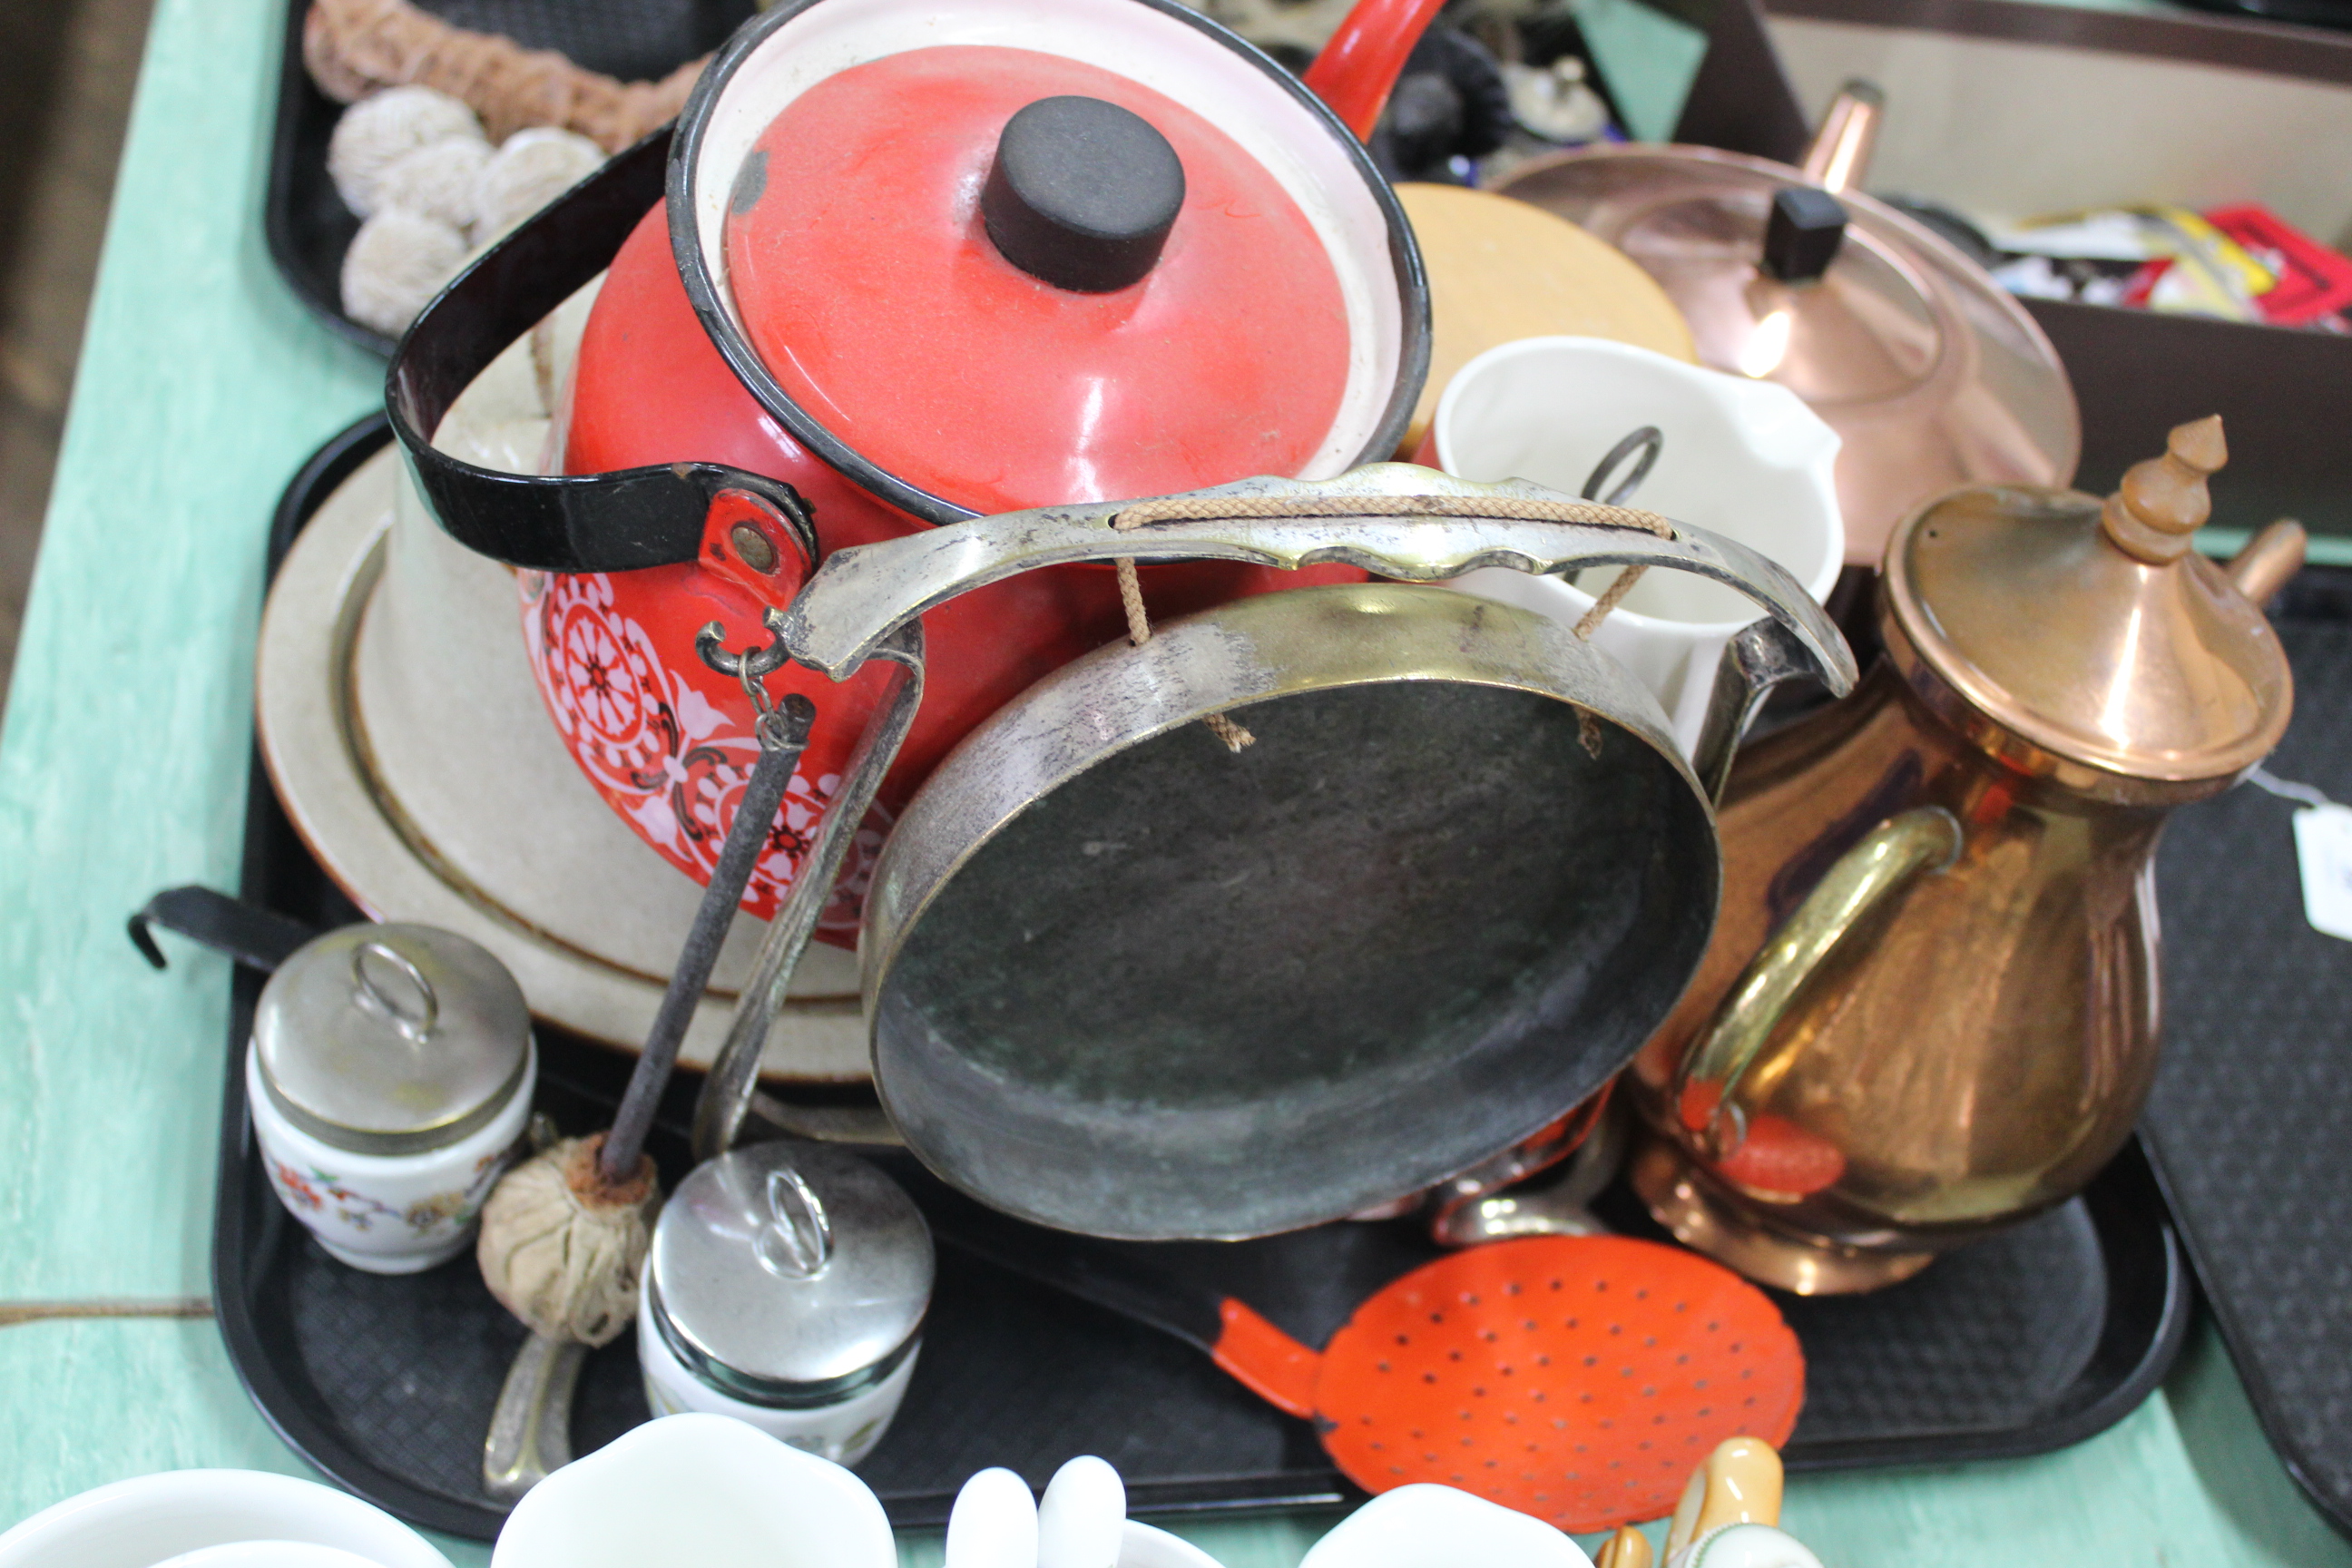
[(2084, 639), (2164, 501)]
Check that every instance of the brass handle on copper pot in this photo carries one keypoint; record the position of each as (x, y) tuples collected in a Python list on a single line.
[(1865, 878)]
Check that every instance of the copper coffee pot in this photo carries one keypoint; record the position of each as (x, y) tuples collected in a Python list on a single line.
[(1930, 1006)]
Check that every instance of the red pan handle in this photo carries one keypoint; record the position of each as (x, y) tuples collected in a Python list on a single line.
[(1359, 67), (1265, 1361)]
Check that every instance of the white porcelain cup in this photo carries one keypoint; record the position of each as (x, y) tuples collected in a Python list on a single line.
[(1745, 1546), (388, 1214), (151, 1520), (1743, 459), (700, 1489)]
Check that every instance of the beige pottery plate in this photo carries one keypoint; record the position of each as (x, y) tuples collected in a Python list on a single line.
[(405, 736)]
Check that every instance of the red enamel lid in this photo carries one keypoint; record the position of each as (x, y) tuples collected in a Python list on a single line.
[(990, 277)]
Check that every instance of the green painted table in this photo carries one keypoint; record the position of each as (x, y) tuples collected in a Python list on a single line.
[(122, 769)]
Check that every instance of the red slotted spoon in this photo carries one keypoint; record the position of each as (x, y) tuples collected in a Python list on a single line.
[(1580, 1379)]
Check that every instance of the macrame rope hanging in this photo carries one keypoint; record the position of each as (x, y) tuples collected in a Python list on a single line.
[(354, 47)]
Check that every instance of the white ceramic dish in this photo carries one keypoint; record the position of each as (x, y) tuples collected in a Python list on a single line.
[(387, 1214), (715, 1492), (1745, 458), (1141, 1546), (1745, 1546), (150, 1520)]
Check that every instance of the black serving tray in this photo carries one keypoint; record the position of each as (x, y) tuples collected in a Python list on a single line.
[(2025, 1343), (2247, 1121), (308, 228)]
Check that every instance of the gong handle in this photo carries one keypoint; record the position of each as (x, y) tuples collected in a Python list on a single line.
[(1866, 879), (1392, 519)]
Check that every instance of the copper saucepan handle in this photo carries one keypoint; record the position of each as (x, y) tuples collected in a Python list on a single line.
[(1888, 860), (1838, 158)]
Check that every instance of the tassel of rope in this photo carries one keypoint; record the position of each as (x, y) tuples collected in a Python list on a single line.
[(1138, 632)]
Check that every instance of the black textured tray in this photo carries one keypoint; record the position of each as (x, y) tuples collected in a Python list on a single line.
[(308, 228), (2022, 1343), (2252, 1100)]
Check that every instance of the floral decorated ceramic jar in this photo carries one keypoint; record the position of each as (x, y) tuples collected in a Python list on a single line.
[(390, 1080)]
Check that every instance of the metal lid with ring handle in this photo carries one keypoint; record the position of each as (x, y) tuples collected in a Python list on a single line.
[(790, 1275), (392, 1039)]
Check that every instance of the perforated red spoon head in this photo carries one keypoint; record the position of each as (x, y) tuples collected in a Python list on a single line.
[(1579, 1379)]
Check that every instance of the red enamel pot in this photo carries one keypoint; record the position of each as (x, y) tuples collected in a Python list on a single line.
[(899, 266)]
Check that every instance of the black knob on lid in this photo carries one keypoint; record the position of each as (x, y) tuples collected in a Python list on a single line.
[(1807, 226), (1083, 194)]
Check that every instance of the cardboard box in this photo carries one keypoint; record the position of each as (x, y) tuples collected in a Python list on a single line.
[(2010, 109)]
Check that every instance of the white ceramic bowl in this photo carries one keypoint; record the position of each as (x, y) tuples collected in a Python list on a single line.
[(1141, 1546), (704, 1491), (269, 1555), (1426, 1526), (1745, 1546), (1743, 459), (388, 1214), (150, 1520)]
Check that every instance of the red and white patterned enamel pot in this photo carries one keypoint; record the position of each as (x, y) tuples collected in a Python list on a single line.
[(896, 280)]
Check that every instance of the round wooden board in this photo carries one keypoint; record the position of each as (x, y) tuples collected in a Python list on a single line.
[(1502, 270)]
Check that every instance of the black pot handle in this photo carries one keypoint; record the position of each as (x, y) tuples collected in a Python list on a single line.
[(585, 522), (261, 938), (1104, 1273)]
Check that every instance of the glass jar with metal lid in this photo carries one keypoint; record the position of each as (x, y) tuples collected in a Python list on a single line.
[(787, 1287), (390, 1080)]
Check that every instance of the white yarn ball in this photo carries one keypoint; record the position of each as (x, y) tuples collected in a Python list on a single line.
[(377, 132), (437, 180), (531, 169), (397, 262)]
